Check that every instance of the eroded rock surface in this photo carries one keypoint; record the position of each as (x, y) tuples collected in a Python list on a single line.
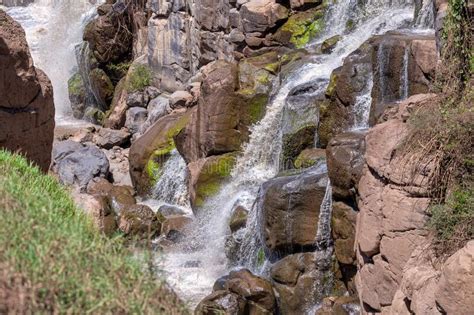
[(26, 98)]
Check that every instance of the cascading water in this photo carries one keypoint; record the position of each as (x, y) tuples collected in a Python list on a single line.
[(404, 77), (172, 187), (425, 19), (362, 106), (204, 243), (53, 29)]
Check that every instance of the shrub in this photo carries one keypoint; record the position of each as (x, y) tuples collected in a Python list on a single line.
[(57, 262), (139, 78), (453, 221), (443, 132)]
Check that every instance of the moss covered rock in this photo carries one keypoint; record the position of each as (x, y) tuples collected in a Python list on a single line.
[(309, 157), (301, 28), (329, 44), (77, 95), (152, 149), (207, 176), (294, 143)]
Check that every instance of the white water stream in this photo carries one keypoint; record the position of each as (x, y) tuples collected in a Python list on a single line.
[(192, 266), (53, 29)]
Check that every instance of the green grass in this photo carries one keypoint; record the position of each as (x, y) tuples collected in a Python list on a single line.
[(65, 264)]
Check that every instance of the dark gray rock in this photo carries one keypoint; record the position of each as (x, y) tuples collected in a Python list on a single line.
[(77, 164)]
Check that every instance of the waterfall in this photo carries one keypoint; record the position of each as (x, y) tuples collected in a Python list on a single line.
[(425, 19), (205, 239), (362, 105), (404, 84), (323, 236), (53, 29), (171, 188)]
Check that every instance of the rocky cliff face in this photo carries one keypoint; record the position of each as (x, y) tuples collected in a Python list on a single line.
[(397, 269), (26, 98)]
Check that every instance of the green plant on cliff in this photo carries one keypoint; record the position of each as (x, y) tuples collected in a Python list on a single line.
[(139, 77), (443, 130), (52, 260)]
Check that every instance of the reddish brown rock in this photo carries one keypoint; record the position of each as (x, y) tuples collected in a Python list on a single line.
[(139, 220), (290, 211), (345, 158), (393, 203), (214, 127), (26, 98), (99, 210), (455, 293)]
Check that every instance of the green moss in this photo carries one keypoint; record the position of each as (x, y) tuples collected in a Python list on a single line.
[(350, 24), (214, 173), (138, 78), (273, 67), (304, 26), (304, 161), (76, 85), (156, 160), (119, 69), (263, 77), (331, 89), (260, 257), (257, 106)]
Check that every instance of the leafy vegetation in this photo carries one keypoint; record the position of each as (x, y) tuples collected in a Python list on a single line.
[(52, 260), (444, 130), (454, 220), (139, 78)]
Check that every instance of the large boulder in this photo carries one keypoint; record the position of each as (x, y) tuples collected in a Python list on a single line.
[(345, 158), (152, 149), (290, 211), (109, 35), (135, 82), (455, 292), (77, 164), (219, 125), (240, 292), (301, 281), (261, 15), (26, 96), (207, 176)]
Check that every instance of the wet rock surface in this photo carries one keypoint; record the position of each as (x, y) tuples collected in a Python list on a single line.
[(290, 211), (240, 292)]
